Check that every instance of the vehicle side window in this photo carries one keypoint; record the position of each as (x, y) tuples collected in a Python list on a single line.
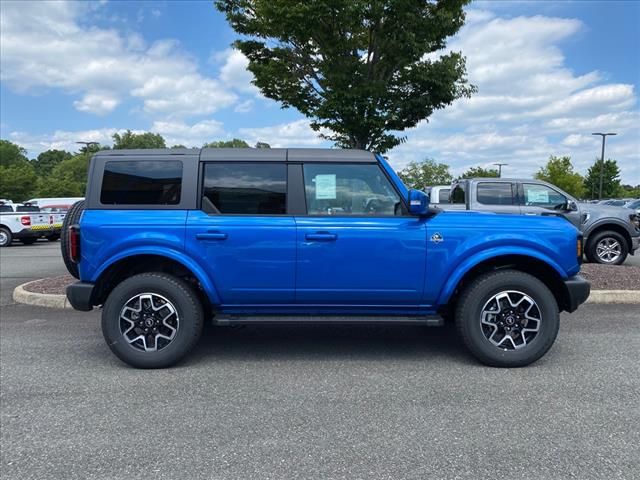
[(349, 189), (495, 193), (246, 188), (141, 182), (443, 196), (542, 196), (458, 194)]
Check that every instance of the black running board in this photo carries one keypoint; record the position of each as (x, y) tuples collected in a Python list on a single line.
[(426, 320)]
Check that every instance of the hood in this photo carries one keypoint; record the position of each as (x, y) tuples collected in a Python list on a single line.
[(606, 210)]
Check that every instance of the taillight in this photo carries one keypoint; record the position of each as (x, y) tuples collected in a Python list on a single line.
[(74, 243), (26, 221)]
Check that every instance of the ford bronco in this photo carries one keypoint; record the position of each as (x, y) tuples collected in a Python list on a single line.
[(169, 239)]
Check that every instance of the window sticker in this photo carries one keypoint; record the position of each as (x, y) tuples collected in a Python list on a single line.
[(326, 187), (538, 196)]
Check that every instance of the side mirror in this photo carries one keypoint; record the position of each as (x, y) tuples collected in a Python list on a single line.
[(418, 202), (572, 206)]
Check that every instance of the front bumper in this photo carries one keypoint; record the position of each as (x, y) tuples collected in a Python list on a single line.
[(79, 295), (577, 291)]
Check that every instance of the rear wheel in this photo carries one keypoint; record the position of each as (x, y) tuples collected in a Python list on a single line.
[(72, 217), (152, 320), (5, 237), (507, 318), (607, 248)]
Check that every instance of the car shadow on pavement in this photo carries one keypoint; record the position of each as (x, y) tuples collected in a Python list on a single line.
[(329, 342)]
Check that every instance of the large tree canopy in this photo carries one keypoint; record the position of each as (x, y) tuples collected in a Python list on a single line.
[(611, 184), (559, 171), (424, 174), (360, 68)]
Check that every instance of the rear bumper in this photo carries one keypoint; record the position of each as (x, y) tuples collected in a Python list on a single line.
[(577, 291), (79, 295)]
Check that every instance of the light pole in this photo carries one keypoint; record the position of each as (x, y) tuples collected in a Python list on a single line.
[(500, 168), (88, 144), (604, 136)]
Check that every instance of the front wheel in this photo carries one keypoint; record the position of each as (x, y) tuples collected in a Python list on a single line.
[(507, 318), (152, 320), (607, 248)]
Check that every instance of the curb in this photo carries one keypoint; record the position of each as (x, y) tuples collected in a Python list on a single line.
[(50, 300), (614, 296)]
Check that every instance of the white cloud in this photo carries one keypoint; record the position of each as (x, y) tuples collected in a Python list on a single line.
[(292, 134), (529, 104), (45, 46), (98, 103), (180, 133)]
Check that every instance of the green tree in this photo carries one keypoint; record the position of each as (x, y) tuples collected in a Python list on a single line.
[(68, 178), (178, 146), (421, 175), (138, 140), (478, 172), (48, 159), (11, 154), (360, 69), (611, 185), (17, 181), (262, 145), (235, 143), (629, 191), (559, 171), (17, 175)]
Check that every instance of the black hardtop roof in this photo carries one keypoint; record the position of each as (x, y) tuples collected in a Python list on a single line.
[(251, 154)]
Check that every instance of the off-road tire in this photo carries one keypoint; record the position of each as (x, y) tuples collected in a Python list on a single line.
[(188, 307), (478, 293), (72, 217)]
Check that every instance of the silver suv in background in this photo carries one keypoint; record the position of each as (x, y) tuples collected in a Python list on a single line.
[(610, 233)]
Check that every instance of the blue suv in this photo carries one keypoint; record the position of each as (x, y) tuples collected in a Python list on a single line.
[(169, 239)]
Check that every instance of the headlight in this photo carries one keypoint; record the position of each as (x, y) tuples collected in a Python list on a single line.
[(635, 220)]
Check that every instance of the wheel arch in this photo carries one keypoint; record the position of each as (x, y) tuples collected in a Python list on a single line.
[(545, 271), (614, 227), (127, 265)]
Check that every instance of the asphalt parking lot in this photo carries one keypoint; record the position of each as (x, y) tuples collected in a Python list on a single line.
[(311, 402)]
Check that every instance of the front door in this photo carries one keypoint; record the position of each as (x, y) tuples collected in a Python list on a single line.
[(243, 235), (357, 245), (538, 199)]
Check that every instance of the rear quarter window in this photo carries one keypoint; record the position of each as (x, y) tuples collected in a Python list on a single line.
[(141, 182), (495, 193)]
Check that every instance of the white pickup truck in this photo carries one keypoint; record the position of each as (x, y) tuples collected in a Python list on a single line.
[(27, 224)]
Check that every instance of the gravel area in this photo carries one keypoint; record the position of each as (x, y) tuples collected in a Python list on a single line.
[(602, 277), (51, 285), (612, 277)]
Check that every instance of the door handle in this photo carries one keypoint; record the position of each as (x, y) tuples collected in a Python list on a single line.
[(321, 236), (211, 236)]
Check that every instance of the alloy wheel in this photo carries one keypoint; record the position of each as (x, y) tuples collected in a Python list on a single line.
[(149, 322), (608, 250), (510, 320)]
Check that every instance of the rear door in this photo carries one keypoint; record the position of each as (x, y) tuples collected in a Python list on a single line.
[(357, 247), (242, 232), (499, 197)]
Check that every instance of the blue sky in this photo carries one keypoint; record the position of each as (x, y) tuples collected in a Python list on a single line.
[(549, 73)]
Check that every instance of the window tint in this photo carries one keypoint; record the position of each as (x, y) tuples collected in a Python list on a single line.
[(141, 182), (443, 196), (246, 188), (349, 189), (458, 194), (495, 193), (542, 196)]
